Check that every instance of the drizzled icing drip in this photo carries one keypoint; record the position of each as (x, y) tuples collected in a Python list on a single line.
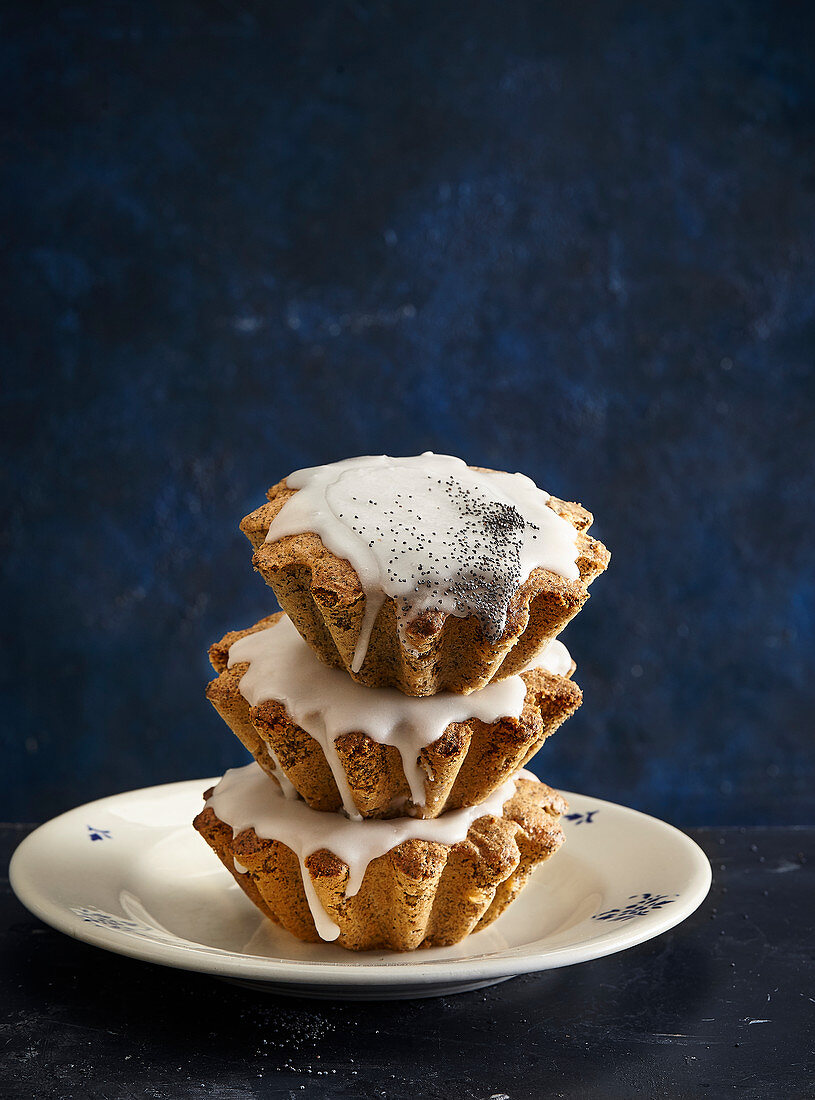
[(431, 533), (327, 703), (247, 798), (554, 657), (287, 787)]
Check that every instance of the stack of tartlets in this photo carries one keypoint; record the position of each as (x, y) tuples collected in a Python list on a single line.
[(392, 705)]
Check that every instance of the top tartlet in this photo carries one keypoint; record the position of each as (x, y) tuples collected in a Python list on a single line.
[(423, 573)]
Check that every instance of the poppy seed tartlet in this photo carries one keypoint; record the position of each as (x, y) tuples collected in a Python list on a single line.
[(423, 573)]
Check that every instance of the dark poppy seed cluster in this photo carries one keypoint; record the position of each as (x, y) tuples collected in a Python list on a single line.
[(463, 555)]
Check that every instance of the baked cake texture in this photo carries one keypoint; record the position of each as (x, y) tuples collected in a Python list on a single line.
[(419, 894), (323, 596), (470, 760)]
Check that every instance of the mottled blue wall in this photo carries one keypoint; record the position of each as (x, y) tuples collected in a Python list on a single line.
[(573, 240)]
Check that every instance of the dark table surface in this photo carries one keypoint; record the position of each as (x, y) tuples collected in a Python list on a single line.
[(722, 1005)]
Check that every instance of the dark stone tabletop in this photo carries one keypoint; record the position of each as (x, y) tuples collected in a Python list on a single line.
[(723, 1005)]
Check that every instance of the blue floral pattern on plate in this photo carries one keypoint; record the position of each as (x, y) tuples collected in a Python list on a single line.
[(99, 834), (639, 905), (108, 920), (586, 818)]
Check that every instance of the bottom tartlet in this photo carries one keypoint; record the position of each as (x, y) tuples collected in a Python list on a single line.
[(400, 883)]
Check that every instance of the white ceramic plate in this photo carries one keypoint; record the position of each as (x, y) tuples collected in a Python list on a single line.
[(129, 874)]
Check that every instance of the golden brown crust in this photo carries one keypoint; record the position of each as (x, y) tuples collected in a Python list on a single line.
[(466, 764), (219, 651), (323, 597), (419, 894)]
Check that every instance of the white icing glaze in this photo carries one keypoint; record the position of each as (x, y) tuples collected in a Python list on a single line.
[(327, 703), (554, 657), (432, 533), (247, 798), (287, 787)]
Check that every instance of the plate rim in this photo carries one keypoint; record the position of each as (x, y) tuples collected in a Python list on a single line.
[(200, 958)]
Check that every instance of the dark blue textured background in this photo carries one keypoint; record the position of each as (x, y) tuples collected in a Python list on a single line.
[(573, 240)]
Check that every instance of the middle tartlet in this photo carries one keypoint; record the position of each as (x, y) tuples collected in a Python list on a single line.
[(376, 752)]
